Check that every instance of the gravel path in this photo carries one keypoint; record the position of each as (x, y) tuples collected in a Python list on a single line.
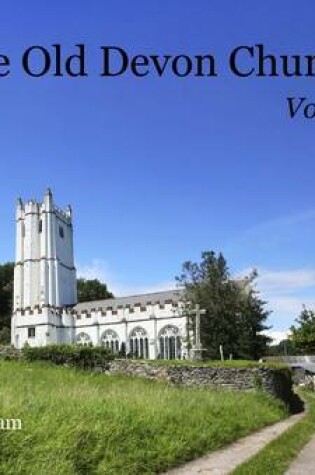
[(227, 459), (304, 464)]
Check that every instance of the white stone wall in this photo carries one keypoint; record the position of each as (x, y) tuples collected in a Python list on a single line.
[(53, 326), (50, 327), (153, 321)]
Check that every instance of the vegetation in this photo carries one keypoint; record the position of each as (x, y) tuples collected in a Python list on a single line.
[(303, 335), (235, 315), (75, 422), (74, 355), (89, 290), (284, 348), (276, 457), (217, 363), (6, 295), (5, 336)]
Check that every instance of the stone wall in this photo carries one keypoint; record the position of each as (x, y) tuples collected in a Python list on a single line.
[(277, 382)]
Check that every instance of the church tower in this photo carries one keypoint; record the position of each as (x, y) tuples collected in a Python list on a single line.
[(44, 277)]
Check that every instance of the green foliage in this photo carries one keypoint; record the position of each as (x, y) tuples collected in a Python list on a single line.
[(5, 336), (258, 383), (303, 335), (74, 355), (284, 348), (83, 423), (235, 315), (6, 293), (89, 290), (218, 364)]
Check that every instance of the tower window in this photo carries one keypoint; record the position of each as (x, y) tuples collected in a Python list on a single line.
[(61, 232), (31, 332), (40, 226)]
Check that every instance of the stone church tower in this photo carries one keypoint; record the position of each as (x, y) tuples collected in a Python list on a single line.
[(45, 276)]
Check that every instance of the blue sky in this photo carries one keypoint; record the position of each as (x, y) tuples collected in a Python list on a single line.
[(159, 169)]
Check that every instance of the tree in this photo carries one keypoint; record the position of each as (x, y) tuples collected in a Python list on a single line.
[(89, 290), (5, 336), (284, 348), (6, 293), (303, 335), (235, 315)]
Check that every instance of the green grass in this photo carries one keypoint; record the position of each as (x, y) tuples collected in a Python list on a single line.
[(216, 363), (276, 457), (83, 423)]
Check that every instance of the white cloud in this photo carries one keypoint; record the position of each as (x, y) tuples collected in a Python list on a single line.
[(276, 281), (285, 309), (123, 289), (275, 231), (276, 336), (98, 269), (285, 291), (282, 280)]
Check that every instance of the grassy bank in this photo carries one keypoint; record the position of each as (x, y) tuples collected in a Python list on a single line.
[(216, 363), (276, 457), (80, 423)]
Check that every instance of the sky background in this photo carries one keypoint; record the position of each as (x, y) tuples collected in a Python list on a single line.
[(159, 169)]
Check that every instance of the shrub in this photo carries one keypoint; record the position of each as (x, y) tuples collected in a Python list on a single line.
[(5, 336), (73, 355)]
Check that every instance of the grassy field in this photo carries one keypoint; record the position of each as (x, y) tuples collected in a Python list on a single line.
[(276, 457), (80, 423)]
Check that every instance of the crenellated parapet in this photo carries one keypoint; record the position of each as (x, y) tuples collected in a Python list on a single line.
[(45, 275)]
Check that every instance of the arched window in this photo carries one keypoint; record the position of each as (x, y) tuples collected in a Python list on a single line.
[(83, 339), (139, 343), (110, 339), (170, 343)]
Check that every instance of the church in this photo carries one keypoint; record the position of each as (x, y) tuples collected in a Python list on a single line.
[(45, 296)]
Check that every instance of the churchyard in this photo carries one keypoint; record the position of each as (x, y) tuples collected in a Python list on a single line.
[(75, 422)]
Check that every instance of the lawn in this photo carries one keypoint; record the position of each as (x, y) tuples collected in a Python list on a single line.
[(82, 423)]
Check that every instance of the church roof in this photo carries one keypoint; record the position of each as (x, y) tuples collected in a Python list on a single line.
[(167, 296)]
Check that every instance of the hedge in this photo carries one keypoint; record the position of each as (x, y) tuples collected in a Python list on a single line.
[(72, 355)]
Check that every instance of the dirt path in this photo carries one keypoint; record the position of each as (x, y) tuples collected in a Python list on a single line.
[(304, 464), (227, 459)]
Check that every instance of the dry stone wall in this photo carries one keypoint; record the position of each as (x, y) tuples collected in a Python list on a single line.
[(277, 382)]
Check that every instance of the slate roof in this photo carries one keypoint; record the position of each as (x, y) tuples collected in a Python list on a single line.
[(143, 299)]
